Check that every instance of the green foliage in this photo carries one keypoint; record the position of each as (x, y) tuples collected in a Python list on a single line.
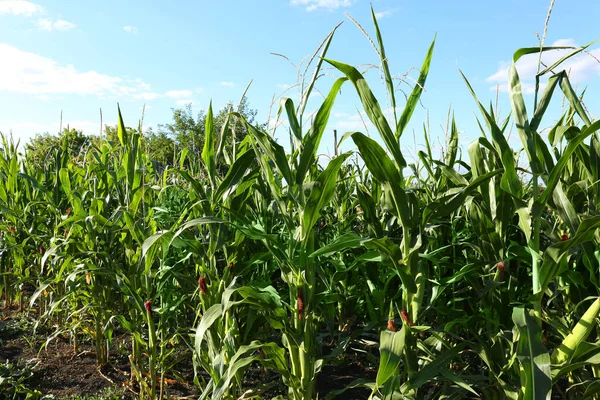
[(43, 146), (13, 382), (188, 131)]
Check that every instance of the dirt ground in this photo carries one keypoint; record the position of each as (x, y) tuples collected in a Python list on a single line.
[(63, 373)]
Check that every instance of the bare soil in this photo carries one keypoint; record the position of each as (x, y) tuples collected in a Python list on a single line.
[(63, 373)]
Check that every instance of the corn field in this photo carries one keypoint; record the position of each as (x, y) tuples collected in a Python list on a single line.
[(474, 273)]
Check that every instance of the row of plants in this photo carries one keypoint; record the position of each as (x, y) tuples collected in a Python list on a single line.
[(475, 273)]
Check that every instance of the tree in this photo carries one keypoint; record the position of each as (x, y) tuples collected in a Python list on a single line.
[(188, 130), (40, 146), (110, 133), (160, 147)]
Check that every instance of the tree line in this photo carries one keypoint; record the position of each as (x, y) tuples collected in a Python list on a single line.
[(164, 143)]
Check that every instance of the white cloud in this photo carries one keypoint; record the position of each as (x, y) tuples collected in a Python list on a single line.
[(352, 122), (352, 125), (580, 67), (130, 29), (337, 114), (312, 5), (228, 84), (37, 75), (565, 42), (178, 94), (19, 7), (184, 102), (58, 25), (383, 14), (146, 96)]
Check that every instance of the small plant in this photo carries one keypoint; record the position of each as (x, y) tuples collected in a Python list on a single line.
[(14, 379)]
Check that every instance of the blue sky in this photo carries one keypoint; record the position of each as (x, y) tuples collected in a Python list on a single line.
[(80, 56)]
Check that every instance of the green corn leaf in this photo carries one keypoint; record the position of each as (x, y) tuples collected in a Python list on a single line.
[(570, 94), (449, 203), (239, 362), (510, 181), (235, 173), (415, 95), (426, 160), (595, 163), (389, 82), (208, 319), (565, 58), (321, 194), (451, 174), (273, 150), (433, 369), (545, 100), (383, 169), (121, 131), (556, 172), (528, 136), (151, 240), (196, 184), (347, 241), (536, 381), (592, 391), (391, 349), (565, 208), (373, 110), (452, 145), (535, 50), (65, 181), (457, 380), (290, 110), (558, 373), (208, 152), (312, 140), (224, 130), (268, 301), (196, 222), (391, 253)]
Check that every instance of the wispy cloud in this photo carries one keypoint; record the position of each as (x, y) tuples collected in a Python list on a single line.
[(130, 29), (228, 84), (311, 5), (383, 14), (49, 25), (580, 67), (147, 96), (355, 122), (179, 94), (33, 74), (184, 102), (19, 7)]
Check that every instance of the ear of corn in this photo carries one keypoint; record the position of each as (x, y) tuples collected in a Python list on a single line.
[(580, 332)]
